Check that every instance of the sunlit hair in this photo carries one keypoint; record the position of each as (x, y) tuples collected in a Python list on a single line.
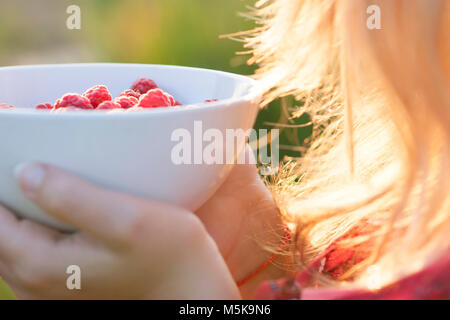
[(380, 104)]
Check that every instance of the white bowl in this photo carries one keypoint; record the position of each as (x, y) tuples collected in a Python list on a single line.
[(129, 151)]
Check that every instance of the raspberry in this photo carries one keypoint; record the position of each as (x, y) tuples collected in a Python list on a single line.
[(44, 106), (108, 105), (119, 110), (66, 109), (135, 108), (171, 99), (143, 94), (143, 85), (126, 102), (156, 98), (73, 100), (130, 93), (97, 95)]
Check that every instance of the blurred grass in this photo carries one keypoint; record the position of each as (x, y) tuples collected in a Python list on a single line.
[(179, 32), (5, 292), (169, 32)]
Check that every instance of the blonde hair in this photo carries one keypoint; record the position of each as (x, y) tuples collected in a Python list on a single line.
[(380, 104)]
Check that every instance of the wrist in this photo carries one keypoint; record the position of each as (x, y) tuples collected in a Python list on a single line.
[(276, 266), (261, 253)]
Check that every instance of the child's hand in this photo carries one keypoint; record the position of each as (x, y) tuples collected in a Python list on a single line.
[(127, 247), (242, 217)]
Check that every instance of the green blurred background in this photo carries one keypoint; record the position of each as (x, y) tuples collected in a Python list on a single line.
[(178, 32)]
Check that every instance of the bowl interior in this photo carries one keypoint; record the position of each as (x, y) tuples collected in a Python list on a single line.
[(27, 86)]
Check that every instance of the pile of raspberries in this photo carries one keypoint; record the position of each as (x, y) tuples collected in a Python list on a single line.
[(144, 94)]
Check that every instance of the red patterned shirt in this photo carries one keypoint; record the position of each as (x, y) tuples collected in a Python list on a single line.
[(433, 282)]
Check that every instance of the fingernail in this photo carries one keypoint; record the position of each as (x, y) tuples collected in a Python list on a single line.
[(30, 177)]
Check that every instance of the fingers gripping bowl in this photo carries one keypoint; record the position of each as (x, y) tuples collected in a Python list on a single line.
[(125, 151)]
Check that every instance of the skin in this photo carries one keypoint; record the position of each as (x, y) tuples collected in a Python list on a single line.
[(134, 248)]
